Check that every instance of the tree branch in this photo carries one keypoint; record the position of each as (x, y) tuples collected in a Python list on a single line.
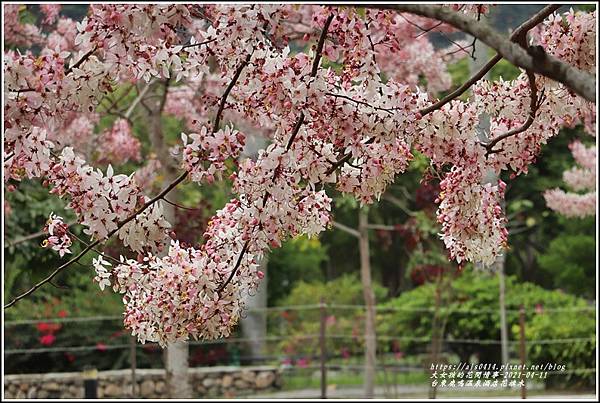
[(346, 229), (534, 105), (313, 73), (160, 196), (80, 61), (581, 82), (30, 237), (517, 34), (236, 76), (388, 110), (235, 268)]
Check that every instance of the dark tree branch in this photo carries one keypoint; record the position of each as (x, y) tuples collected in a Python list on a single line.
[(232, 83), (581, 82), (80, 61), (235, 268), (516, 36), (356, 101)]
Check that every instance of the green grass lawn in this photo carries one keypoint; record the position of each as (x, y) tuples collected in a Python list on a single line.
[(309, 379)]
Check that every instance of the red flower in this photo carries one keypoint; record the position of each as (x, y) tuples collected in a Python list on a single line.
[(62, 313), (47, 339), (43, 327), (302, 362), (101, 347), (70, 357)]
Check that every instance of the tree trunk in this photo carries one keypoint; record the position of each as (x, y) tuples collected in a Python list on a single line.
[(176, 365), (369, 296), (176, 355), (254, 324)]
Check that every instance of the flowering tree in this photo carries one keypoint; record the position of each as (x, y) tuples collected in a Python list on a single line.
[(579, 179), (348, 112)]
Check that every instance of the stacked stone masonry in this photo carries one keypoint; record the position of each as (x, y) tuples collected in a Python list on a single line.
[(206, 382)]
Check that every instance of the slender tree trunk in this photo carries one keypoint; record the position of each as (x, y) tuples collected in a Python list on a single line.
[(254, 324), (176, 355), (369, 296), (435, 332), (176, 365)]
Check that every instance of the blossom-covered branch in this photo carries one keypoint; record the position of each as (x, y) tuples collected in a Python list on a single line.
[(518, 35), (535, 59)]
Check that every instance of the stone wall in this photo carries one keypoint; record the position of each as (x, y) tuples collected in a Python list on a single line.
[(206, 382)]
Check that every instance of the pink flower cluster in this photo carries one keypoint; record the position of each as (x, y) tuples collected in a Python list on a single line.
[(473, 223), (63, 36), (118, 145), (102, 201), (212, 149), (578, 179), (50, 12), (59, 239), (348, 116), (15, 32)]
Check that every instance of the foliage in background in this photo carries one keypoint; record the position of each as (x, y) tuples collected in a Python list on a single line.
[(300, 327), (568, 258), (577, 356), (477, 292), (298, 260)]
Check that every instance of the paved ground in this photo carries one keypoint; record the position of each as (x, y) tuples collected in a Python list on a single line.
[(410, 391)]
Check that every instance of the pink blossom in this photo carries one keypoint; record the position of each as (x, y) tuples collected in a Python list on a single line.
[(50, 12), (59, 239), (118, 145)]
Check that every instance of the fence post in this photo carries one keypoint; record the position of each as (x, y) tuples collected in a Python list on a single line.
[(322, 342), (133, 359), (522, 349), (435, 335), (90, 383)]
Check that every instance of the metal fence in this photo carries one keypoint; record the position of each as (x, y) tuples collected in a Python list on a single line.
[(312, 364)]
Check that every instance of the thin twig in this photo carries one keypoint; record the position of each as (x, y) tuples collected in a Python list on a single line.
[(235, 268), (94, 249), (30, 237), (232, 83), (198, 44), (388, 110), (80, 61), (137, 100), (179, 206)]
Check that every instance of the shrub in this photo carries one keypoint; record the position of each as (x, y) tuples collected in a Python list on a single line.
[(412, 312), (345, 327)]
